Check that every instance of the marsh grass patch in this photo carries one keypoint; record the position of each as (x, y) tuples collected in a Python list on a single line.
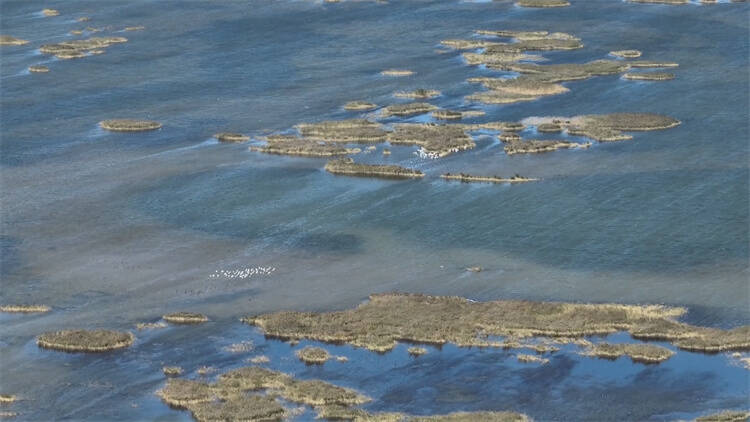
[(85, 340)]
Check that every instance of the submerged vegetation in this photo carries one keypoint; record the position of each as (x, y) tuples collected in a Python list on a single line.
[(347, 167), (388, 318), (608, 127), (85, 340)]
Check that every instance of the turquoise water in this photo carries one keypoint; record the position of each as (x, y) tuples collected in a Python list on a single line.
[(112, 229)]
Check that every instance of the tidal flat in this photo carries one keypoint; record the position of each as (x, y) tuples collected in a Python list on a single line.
[(111, 231)]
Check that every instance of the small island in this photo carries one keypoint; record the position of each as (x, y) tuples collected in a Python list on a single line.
[(468, 178), (347, 167), (129, 125), (85, 340)]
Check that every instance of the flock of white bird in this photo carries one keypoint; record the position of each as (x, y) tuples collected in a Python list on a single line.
[(243, 273)]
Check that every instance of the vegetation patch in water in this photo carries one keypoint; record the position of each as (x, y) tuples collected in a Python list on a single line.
[(85, 340), (360, 106), (651, 63), (673, 2), (543, 3), (50, 12), (468, 178), (24, 309), (343, 131), (172, 371), (185, 318), (78, 48), (537, 146), (408, 109), (397, 72), (313, 355), (9, 40), (649, 76), (420, 93), (435, 140), (231, 137), (609, 127), (129, 125), (303, 148), (523, 358), (626, 54), (387, 318), (7, 398), (417, 351), (38, 69), (644, 353), (347, 167), (726, 416)]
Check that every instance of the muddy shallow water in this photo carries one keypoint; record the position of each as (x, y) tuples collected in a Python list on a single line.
[(111, 229)]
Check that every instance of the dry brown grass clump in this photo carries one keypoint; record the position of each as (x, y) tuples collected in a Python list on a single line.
[(626, 54), (9, 40), (417, 351), (85, 340), (172, 371), (726, 416), (7, 398), (644, 353), (347, 167), (259, 359), (313, 355), (129, 125), (447, 115), (231, 137), (420, 93), (467, 178), (649, 76), (24, 308), (543, 3), (38, 69), (387, 318), (436, 140), (508, 137), (320, 393), (408, 109), (185, 318), (397, 72), (343, 131), (537, 146), (50, 12), (360, 106)]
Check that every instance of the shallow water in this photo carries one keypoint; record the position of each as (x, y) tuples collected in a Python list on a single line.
[(112, 229)]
